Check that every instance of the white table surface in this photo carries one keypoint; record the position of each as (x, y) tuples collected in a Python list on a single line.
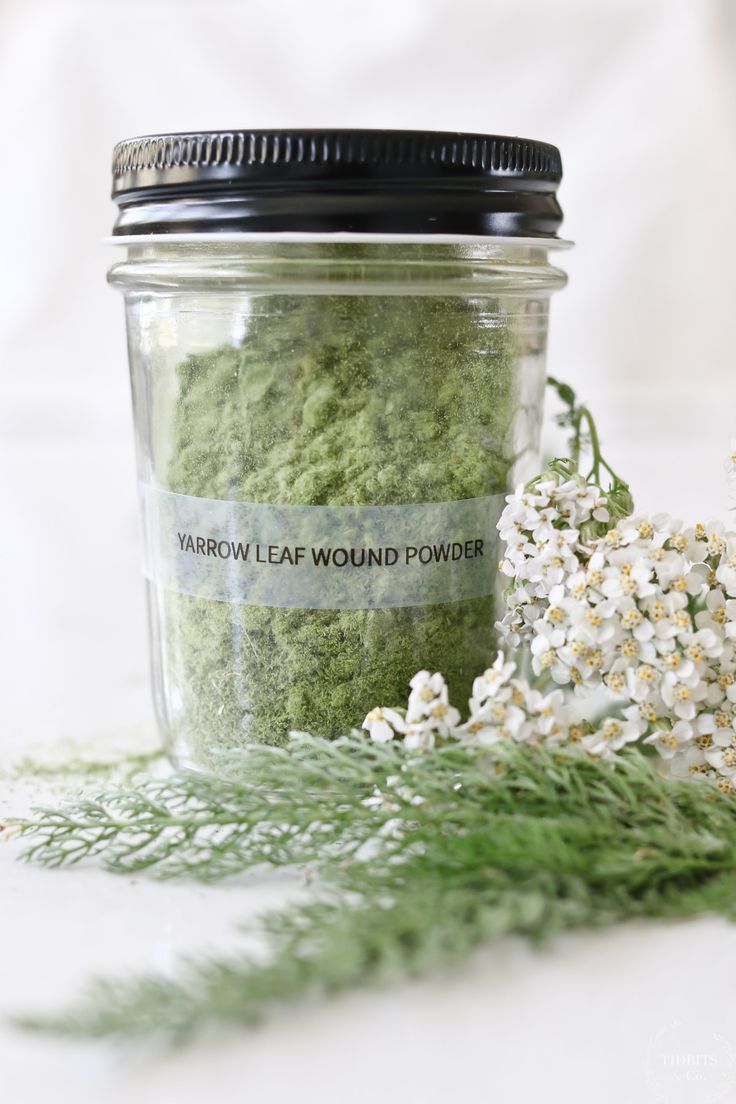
[(617, 1015)]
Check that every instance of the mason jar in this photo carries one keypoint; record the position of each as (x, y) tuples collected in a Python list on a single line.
[(337, 352)]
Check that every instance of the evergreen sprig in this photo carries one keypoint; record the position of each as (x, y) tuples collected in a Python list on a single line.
[(420, 858)]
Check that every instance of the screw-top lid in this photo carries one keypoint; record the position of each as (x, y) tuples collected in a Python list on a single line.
[(330, 181)]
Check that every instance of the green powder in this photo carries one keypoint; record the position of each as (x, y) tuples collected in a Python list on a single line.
[(333, 400)]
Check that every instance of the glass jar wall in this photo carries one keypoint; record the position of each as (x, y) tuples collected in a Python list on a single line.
[(355, 401)]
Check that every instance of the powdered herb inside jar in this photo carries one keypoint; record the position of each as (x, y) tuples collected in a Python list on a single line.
[(337, 354)]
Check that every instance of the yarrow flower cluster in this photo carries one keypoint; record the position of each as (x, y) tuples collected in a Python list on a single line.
[(646, 609), (636, 610), (427, 716), (502, 708), (543, 528)]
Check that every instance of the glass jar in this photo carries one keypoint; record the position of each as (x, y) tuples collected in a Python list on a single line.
[(332, 391)]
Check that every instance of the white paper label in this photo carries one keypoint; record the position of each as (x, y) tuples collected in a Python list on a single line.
[(321, 557)]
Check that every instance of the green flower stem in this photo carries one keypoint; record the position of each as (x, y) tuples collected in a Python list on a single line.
[(578, 416)]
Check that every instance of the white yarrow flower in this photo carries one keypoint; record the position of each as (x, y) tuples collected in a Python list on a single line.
[(426, 691), (383, 724), (614, 733)]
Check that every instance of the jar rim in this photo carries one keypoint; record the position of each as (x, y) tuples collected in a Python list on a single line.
[(336, 237)]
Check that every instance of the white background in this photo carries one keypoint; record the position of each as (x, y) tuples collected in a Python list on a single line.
[(641, 98)]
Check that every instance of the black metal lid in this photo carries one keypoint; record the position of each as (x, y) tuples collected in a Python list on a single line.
[(327, 181)]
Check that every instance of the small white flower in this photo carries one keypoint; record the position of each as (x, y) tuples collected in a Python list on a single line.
[(383, 724), (682, 692), (481, 731), (726, 570), (490, 682), (547, 639), (614, 733), (627, 575), (723, 757), (426, 691), (702, 645), (495, 720), (419, 737), (443, 717), (670, 741)]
